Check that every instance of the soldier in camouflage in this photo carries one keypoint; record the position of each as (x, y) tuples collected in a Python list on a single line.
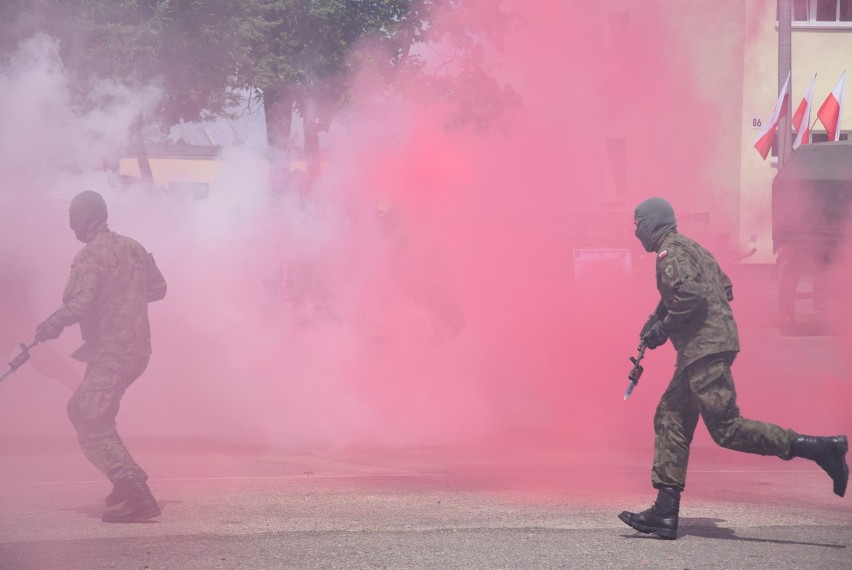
[(112, 280), (696, 294)]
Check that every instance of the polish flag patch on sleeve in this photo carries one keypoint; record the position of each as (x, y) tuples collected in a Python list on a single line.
[(662, 254)]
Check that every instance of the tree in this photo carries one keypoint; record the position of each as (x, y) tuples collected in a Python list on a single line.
[(304, 58), (300, 62), (193, 49), (294, 54)]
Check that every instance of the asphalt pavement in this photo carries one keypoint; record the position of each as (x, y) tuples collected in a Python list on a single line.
[(528, 507), (532, 502)]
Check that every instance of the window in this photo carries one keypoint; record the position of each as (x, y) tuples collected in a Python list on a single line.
[(822, 11), (800, 10), (618, 60), (616, 151), (823, 137), (815, 137)]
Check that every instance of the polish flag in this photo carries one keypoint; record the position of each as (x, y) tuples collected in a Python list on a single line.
[(763, 144), (829, 111), (802, 118), (800, 111)]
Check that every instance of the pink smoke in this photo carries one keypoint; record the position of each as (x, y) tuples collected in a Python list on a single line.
[(429, 290)]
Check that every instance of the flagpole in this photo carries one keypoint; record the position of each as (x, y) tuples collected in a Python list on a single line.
[(785, 18), (840, 106)]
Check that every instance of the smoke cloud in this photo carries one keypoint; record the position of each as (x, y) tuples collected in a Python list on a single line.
[(463, 272)]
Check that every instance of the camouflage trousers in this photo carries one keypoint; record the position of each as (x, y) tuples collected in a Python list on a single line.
[(92, 410), (706, 388)]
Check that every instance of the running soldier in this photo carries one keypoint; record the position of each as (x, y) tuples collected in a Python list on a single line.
[(112, 280), (696, 295)]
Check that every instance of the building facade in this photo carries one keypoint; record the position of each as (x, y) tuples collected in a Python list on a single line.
[(821, 47)]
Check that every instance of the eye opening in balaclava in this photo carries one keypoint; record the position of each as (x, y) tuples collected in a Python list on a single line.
[(87, 215), (654, 218)]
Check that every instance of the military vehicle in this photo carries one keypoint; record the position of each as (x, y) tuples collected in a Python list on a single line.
[(811, 211)]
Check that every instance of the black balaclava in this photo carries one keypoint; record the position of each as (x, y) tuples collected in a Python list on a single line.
[(87, 215), (656, 218)]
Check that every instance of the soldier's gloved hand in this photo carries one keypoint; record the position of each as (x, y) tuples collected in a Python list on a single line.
[(656, 336), (48, 330)]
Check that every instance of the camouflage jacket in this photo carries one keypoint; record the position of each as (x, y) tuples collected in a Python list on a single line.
[(112, 280), (696, 294)]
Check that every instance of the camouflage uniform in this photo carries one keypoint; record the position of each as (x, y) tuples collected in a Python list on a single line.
[(112, 280), (700, 324), (696, 294)]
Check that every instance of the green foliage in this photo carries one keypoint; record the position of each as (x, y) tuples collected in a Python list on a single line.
[(306, 55), (303, 52), (295, 53), (193, 48)]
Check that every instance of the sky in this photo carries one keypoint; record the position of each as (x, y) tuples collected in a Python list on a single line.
[(462, 273)]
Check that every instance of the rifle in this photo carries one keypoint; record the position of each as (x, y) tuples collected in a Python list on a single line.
[(19, 360), (637, 370)]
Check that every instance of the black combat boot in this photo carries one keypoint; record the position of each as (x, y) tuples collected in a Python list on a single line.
[(115, 496), (118, 492), (661, 518), (135, 502), (829, 453)]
